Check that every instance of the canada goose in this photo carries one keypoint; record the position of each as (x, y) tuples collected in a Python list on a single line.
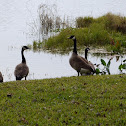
[(80, 64), (91, 64), (1, 77), (22, 69)]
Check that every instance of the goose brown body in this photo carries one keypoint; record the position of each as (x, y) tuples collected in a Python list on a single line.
[(21, 71)]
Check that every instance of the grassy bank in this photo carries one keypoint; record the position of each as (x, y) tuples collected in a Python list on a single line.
[(108, 31), (85, 100)]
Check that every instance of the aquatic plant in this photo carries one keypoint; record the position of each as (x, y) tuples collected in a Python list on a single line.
[(95, 32), (122, 66), (89, 31), (85, 36), (115, 46), (106, 68)]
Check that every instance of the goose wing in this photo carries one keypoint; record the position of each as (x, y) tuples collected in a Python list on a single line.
[(78, 63), (89, 63)]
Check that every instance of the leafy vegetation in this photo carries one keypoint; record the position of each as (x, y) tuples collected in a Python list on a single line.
[(122, 66), (106, 31), (84, 100), (106, 68)]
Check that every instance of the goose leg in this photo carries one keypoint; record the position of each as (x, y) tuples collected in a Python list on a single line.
[(78, 73), (25, 77)]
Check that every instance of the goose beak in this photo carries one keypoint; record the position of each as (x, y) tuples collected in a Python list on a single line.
[(88, 49), (29, 48), (71, 37)]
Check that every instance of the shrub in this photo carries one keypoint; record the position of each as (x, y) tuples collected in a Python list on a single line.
[(111, 22), (84, 22), (95, 35), (60, 40), (99, 35), (115, 22)]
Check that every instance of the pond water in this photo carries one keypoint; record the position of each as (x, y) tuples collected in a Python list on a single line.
[(17, 25)]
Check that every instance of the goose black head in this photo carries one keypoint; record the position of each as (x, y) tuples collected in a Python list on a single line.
[(25, 47), (87, 49), (72, 37)]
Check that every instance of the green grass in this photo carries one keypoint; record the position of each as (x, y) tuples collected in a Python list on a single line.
[(73, 101)]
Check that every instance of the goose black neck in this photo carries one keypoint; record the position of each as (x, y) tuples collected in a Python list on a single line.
[(75, 48), (23, 58), (86, 54)]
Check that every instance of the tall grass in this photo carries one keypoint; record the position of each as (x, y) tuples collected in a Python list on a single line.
[(89, 31), (111, 22), (84, 22), (95, 35), (115, 22)]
